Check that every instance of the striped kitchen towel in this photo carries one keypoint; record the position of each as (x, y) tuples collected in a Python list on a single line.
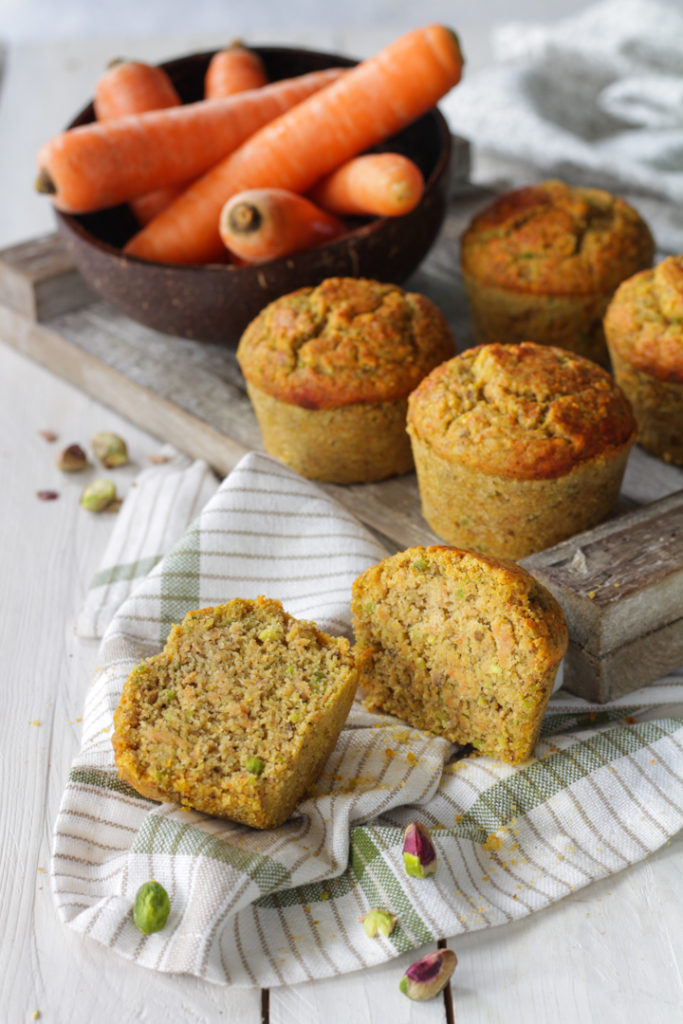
[(253, 908)]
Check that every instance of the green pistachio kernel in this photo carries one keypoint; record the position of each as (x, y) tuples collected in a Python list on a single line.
[(254, 765), (379, 922), (98, 495), (152, 907), (270, 633), (110, 449), (420, 564)]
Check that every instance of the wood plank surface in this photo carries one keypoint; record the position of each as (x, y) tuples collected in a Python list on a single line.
[(621, 588)]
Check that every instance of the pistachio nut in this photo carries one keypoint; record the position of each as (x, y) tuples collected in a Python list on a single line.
[(110, 449), (98, 495), (71, 459), (380, 922), (427, 977), (151, 908), (419, 855), (254, 765)]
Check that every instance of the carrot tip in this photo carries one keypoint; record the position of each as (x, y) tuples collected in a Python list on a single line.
[(44, 183)]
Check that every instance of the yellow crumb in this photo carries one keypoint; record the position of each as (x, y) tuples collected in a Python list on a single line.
[(493, 842)]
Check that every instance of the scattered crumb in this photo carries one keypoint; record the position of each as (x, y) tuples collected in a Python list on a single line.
[(630, 720), (493, 842), (592, 593), (411, 759), (49, 436), (158, 459), (47, 495), (389, 752), (36, 721)]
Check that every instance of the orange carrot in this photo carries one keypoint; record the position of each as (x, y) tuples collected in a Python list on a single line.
[(133, 87), (376, 184), (234, 69), (371, 102), (110, 162), (263, 224)]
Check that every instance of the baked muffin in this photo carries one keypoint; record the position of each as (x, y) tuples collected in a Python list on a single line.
[(542, 262), (644, 330), (518, 446), (329, 370), (238, 714), (459, 644)]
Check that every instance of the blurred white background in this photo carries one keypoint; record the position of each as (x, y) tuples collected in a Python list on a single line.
[(53, 19)]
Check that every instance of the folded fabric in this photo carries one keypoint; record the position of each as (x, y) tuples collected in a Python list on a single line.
[(165, 498), (253, 908), (594, 99)]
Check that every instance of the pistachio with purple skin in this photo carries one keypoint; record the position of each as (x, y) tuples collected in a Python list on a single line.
[(72, 459), (427, 977), (419, 855)]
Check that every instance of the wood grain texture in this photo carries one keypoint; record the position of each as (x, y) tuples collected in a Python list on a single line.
[(621, 588)]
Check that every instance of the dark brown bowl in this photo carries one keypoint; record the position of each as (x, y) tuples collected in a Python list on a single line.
[(216, 302)]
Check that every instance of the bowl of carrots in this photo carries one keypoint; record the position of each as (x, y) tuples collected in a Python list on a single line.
[(161, 250)]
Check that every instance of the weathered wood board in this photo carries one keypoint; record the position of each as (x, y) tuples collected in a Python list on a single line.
[(192, 395), (621, 588)]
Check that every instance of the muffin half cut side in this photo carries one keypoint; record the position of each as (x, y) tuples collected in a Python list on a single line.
[(460, 645)]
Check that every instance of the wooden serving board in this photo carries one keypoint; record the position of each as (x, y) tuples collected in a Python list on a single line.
[(192, 395)]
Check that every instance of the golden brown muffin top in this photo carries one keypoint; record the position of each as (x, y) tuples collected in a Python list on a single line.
[(524, 411), (556, 239), (644, 321), (347, 340)]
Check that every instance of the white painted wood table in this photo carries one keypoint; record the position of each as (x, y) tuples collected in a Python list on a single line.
[(612, 953)]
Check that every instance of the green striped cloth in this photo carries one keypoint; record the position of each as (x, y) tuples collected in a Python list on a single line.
[(253, 908)]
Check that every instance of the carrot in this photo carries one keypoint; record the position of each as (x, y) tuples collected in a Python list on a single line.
[(375, 99), (263, 224), (233, 69), (110, 162), (133, 87), (376, 184)]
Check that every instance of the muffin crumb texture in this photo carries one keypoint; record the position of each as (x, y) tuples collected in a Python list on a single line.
[(460, 645), (238, 714), (644, 329)]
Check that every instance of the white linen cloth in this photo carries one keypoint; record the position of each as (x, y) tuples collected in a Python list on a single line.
[(267, 908), (595, 99)]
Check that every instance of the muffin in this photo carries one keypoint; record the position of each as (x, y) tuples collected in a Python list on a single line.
[(329, 370), (644, 330), (542, 262), (238, 714), (518, 447), (459, 644)]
